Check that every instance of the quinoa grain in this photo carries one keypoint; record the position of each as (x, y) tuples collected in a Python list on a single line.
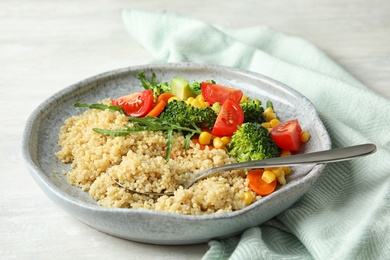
[(137, 161)]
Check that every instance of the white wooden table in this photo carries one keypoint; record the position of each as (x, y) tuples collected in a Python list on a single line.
[(48, 45)]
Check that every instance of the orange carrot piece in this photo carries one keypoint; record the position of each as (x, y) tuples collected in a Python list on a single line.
[(164, 97), (257, 184), (157, 109)]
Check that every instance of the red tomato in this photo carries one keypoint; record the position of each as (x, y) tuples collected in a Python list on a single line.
[(136, 104), (287, 135), (229, 118), (216, 93)]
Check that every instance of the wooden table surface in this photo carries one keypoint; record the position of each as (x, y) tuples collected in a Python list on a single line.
[(48, 45)]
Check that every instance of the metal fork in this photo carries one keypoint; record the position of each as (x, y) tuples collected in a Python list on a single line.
[(328, 156)]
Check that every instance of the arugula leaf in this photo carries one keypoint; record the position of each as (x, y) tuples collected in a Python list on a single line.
[(145, 82), (153, 124), (99, 107)]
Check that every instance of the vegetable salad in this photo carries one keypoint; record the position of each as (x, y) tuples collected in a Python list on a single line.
[(214, 117)]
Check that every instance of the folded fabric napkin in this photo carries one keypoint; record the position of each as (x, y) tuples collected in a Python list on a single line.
[(346, 214)]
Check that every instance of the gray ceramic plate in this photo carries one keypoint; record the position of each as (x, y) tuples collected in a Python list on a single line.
[(40, 144)]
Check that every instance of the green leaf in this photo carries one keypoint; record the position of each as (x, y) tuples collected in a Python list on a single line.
[(119, 132), (269, 104), (99, 107), (169, 144), (153, 124), (145, 82)]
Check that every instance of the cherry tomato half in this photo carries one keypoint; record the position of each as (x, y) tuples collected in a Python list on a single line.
[(287, 135), (229, 118), (216, 93), (136, 104)]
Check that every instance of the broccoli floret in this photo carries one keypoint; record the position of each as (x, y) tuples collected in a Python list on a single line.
[(253, 111), (179, 112), (252, 141), (196, 87), (216, 107), (157, 88), (160, 88)]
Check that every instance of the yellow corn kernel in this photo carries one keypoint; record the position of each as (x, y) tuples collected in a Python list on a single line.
[(205, 138), (270, 116), (195, 103), (173, 98), (226, 139), (202, 104), (266, 125), (281, 180), (207, 104), (247, 197), (285, 153), (287, 170), (243, 98), (268, 110), (200, 97), (278, 171), (305, 136), (218, 143), (268, 176), (274, 122), (189, 100)]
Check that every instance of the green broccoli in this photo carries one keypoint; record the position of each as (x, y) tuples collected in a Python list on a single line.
[(216, 107), (157, 88), (196, 87), (160, 88), (252, 141), (179, 112), (253, 111)]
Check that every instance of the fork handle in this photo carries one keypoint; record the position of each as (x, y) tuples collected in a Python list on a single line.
[(334, 155)]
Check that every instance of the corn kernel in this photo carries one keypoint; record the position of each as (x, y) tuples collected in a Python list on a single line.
[(202, 104), (305, 136), (200, 97), (285, 153), (173, 98), (205, 138), (195, 103), (218, 143), (278, 172), (274, 122), (247, 197), (268, 176), (266, 125), (287, 170), (270, 116), (281, 180), (268, 110), (226, 139), (243, 98), (189, 100)]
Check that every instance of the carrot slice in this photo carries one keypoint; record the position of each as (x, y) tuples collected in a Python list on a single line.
[(157, 109), (257, 184), (165, 97)]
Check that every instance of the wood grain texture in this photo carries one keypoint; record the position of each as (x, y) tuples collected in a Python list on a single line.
[(48, 45)]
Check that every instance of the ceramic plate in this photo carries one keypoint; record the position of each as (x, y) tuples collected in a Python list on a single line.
[(41, 137)]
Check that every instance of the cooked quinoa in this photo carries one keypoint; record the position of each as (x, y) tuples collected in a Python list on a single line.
[(137, 162)]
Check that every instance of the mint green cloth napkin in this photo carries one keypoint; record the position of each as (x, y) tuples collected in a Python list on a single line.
[(346, 214)]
